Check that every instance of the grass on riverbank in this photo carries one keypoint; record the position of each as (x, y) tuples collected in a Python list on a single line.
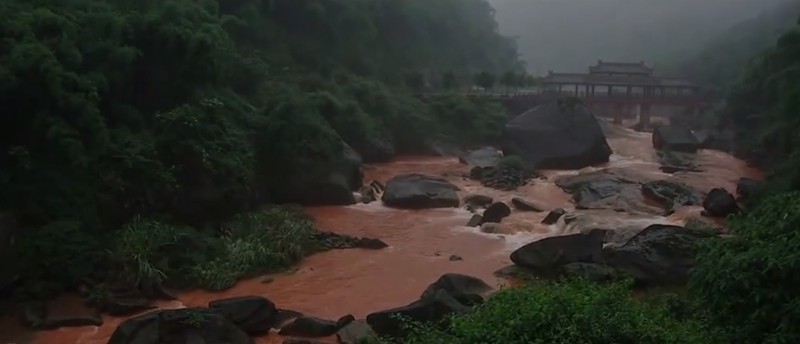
[(255, 243), (151, 252)]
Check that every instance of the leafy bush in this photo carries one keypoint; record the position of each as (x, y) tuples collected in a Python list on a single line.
[(570, 312), (148, 251), (56, 257), (748, 282), (261, 242)]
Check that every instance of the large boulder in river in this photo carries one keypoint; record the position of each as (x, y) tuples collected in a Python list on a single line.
[(660, 255), (179, 326), (552, 136), (674, 138), (417, 191), (720, 203), (671, 194), (484, 157), (466, 289), (548, 255), (496, 212), (320, 181), (252, 314), (433, 307)]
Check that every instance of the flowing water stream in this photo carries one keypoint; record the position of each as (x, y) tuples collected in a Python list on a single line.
[(358, 282)]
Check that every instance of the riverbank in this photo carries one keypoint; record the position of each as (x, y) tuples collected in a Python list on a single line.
[(425, 244)]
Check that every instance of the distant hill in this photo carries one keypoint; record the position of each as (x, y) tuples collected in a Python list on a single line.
[(725, 55)]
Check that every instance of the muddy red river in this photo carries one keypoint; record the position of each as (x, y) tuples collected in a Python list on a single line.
[(358, 282)]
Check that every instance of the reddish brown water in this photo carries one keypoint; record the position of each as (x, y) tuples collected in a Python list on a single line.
[(358, 282)]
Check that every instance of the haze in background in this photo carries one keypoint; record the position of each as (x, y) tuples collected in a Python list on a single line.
[(569, 35)]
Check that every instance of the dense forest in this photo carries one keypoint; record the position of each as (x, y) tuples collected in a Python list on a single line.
[(150, 143), (146, 125)]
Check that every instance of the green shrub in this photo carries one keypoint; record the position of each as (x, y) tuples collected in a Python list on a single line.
[(260, 242), (570, 312), (148, 251), (748, 282), (56, 258)]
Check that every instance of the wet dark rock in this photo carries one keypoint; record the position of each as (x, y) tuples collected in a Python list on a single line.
[(660, 255), (321, 181), (466, 289), (475, 221), (478, 201), (416, 191), (252, 314), (553, 216), (720, 203), (717, 140), (484, 157), (455, 258), (306, 326), (674, 138), (491, 228), (612, 189), (179, 326), (673, 162), (547, 255), (556, 136), (434, 308), (372, 191), (331, 240), (357, 332), (505, 178), (36, 316), (496, 212), (525, 205), (747, 187), (590, 271), (671, 195), (283, 317), (477, 172), (345, 320)]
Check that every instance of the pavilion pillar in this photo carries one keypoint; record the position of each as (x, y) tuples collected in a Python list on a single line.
[(576, 90), (629, 91), (593, 90)]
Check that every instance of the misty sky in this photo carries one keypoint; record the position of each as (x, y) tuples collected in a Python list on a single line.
[(568, 35)]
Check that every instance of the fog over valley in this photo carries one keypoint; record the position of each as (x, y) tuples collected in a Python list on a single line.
[(569, 35)]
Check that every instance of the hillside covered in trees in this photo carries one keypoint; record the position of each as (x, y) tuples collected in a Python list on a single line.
[(720, 62), (156, 115)]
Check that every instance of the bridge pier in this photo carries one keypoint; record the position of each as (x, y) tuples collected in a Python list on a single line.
[(619, 113), (644, 116)]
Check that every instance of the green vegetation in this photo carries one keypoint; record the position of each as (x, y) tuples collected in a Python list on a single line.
[(570, 312), (131, 128), (747, 283)]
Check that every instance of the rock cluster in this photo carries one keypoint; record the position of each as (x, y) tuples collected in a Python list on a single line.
[(502, 178), (660, 255), (236, 320)]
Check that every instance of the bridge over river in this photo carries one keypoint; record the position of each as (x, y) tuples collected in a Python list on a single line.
[(615, 89)]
